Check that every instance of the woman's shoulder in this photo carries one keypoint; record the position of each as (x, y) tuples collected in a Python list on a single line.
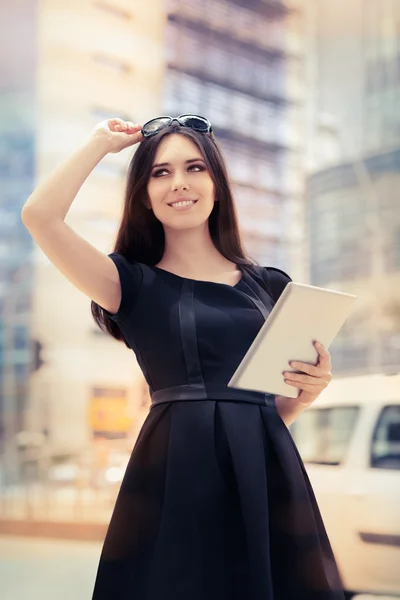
[(274, 280)]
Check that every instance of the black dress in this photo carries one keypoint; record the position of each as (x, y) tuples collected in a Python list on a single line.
[(215, 503)]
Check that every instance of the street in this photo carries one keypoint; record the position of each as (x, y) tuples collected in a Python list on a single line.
[(41, 569)]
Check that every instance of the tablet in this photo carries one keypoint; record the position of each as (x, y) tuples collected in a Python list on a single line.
[(303, 314)]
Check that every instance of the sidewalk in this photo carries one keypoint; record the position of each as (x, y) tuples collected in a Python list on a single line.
[(63, 513)]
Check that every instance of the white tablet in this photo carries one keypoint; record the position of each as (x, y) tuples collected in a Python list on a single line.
[(303, 314)]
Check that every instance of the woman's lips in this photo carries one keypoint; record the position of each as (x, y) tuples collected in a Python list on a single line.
[(182, 204)]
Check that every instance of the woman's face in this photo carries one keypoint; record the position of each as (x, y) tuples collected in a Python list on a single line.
[(180, 189)]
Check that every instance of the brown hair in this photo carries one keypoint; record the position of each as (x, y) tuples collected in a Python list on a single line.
[(140, 236)]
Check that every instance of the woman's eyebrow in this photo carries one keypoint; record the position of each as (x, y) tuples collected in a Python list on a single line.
[(166, 164)]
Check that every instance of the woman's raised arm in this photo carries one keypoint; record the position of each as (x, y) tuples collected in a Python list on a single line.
[(43, 214)]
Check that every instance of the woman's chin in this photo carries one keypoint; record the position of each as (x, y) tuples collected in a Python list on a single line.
[(184, 222)]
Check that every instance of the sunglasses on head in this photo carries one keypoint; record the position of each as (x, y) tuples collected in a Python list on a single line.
[(195, 122)]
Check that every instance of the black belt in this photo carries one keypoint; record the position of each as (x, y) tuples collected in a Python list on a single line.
[(212, 392)]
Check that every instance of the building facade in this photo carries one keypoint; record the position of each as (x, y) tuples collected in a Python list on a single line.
[(84, 62), (241, 65), (354, 234), (77, 63), (353, 213), (381, 49), (17, 174)]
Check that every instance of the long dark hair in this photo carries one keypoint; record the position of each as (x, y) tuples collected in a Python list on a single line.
[(141, 237)]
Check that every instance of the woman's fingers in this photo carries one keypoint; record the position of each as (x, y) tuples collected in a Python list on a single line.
[(118, 125), (296, 378), (305, 368), (324, 355), (322, 367)]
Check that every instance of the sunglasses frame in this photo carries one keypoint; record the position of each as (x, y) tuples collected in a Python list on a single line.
[(172, 119)]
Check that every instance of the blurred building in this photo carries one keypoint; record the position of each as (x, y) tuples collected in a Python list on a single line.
[(354, 234), (352, 192), (17, 172), (381, 111), (242, 65), (67, 65), (78, 63), (75, 64)]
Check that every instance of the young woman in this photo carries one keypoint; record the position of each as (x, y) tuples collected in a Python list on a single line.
[(215, 503)]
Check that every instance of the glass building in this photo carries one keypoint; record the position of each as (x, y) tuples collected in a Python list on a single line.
[(381, 111), (353, 212), (239, 66), (17, 158), (354, 232)]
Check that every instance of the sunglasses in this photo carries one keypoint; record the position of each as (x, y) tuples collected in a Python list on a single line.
[(193, 121)]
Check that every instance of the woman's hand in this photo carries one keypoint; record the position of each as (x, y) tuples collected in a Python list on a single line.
[(314, 380), (118, 133)]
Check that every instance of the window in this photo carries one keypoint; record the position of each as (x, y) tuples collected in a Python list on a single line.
[(190, 91), (218, 61), (323, 435), (244, 23), (243, 72), (385, 450), (266, 121), (266, 173), (190, 50), (219, 106), (243, 112)]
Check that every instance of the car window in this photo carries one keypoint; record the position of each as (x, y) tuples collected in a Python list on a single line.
[(323, 435), (385, 448)]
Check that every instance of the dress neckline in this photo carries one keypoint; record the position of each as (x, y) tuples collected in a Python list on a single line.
[(199, 280)]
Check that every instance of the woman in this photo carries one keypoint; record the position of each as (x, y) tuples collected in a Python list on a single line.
[(215, 503)]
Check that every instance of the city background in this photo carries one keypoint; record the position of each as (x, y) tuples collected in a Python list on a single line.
[(303, 96)]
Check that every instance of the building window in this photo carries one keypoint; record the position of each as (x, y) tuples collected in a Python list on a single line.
[(243, 113), (183, 93), (219, 102)]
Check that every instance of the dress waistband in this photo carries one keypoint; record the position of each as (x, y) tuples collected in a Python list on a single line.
[(213, 392)]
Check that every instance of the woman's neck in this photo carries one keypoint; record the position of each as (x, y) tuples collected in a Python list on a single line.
[(193, 253)]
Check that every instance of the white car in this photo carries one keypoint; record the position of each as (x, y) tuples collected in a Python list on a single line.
[(349, 440)]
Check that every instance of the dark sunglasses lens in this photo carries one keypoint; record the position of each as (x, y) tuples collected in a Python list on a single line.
[(194, 122), (155, 126)]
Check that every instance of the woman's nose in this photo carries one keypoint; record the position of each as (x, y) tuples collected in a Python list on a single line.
[(179, 182)]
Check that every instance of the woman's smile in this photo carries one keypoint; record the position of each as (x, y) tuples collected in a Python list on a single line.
[(182, 204)]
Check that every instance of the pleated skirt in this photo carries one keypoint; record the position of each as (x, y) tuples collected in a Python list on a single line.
[(216, 505)]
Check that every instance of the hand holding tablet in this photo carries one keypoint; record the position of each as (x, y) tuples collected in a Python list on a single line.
[(310, 380), (303, 315)]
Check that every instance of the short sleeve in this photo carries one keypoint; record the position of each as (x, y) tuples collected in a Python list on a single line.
[(276, 281), (131, 276)]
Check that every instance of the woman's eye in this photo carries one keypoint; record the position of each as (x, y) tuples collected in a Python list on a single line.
[(160, 172)]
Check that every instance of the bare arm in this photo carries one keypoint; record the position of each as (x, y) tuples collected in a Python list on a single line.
[(88, 269), (289, 408)]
